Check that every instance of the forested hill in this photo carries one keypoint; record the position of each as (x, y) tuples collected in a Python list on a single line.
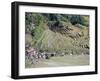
[(57, 32)]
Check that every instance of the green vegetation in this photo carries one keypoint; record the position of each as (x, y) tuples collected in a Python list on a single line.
[(60, 33)]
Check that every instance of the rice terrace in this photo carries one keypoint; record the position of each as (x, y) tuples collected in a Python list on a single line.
[(55, 40)]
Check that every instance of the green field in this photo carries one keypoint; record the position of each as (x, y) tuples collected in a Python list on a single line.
[(68, 60)]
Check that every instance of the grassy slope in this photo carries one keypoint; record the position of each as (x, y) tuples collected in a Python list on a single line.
[(54, 41), (46, 39)]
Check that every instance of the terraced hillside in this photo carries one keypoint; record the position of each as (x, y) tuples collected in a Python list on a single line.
[(59, 34)]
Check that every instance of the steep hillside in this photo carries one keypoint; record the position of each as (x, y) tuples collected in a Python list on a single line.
[(58, 33)]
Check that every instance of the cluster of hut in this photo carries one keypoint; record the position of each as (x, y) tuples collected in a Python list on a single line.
[(35, 56)]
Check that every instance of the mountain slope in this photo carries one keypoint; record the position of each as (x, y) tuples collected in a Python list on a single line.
[(57, 33)]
